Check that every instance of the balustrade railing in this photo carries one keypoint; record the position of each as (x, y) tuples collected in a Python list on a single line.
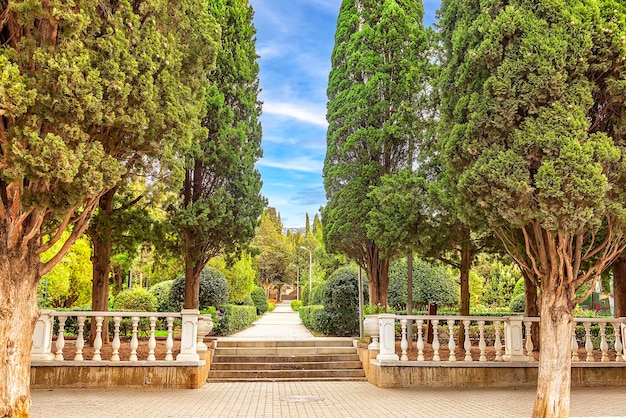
[(489, 338), (47, 348)]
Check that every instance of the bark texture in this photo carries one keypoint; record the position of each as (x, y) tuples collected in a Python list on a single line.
[(619, 287), (18, 313), (466, 264), (377, 269), (531, 308)]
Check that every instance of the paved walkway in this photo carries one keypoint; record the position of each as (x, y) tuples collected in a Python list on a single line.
[(309, 399)]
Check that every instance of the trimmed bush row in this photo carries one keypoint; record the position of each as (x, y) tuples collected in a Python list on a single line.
[(311, 316), (235, 318)]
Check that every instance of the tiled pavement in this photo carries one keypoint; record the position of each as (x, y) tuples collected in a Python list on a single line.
[(309, 399)]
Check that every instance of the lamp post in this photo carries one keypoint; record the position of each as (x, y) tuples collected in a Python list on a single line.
[(310, 270)]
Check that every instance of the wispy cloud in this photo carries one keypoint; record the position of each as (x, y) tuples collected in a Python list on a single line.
[(309, 196), (302, 164), (315, 115)]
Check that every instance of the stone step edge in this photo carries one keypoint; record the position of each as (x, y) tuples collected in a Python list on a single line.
[(286, 379)]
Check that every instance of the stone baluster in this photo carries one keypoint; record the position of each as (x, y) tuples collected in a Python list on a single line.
[(134, 342), (468, 343), (152, 340), (618, 342), (529, 340), (97, 342), (435, 344), (498, 343), (451, 342), (588, 343), (387, 338), (575, 357), (169, 343), (403, 342), (623, 327), (42, 337), (115, 344), (420, 340), (482, 345), (80, 339), (60, 339), (604, 345), (514, 348)]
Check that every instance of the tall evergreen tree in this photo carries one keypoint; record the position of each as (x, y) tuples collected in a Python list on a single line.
[(86, 87), (535, 127), (221, 200), (373, 92)]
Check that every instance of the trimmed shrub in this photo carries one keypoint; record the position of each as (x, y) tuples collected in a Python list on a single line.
[(518, 303), (296, 304), (213, 289), (341, 303), (311, 316), (135, 299), (161, 291), (270, 306), (259, 300), (235, 318)]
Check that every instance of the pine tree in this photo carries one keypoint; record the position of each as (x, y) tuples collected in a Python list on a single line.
[(221, 203), (373, 92), (534, 117), (87, 87)]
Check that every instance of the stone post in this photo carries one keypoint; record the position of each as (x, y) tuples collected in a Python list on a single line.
[(387, 338), (42, 338), (189, 336), (513, 340)]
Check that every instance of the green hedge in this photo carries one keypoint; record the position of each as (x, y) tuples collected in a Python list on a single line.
[(235, 318), (296, 304), (312, 317), (259, 299)]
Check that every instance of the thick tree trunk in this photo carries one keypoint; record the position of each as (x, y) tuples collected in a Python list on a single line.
[(432, 310), (378, 276), (466, 265), (619, 287), (18, 314), (409, 294), (531, 308), (554, 380), (192, 286)]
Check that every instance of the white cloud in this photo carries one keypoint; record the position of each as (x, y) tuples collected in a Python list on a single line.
[(315, 115), (270, 51), (303, 164)]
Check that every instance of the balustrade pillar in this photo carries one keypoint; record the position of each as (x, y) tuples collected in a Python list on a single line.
[(42, 338), (387, 338), (189, 336), (513, 340)]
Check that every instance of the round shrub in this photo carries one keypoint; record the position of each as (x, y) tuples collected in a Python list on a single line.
[(161, 291), (213, 289), (518, 303), (296, 305), (341, 303), (260, 300), (135, 299)]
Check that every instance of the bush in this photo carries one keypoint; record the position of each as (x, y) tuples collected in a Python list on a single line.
[(296, 304), (341, 303), (216, 315), (135, 299), (213, 290), (235, 318), (161, 291), (311, 316), (270, 306), (259, 299), (518, 304)]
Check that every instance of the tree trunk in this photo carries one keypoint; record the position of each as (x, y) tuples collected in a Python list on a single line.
[(531, 308), (619, 287), (18, 314), (432, 310), (466, 265), (554, 380), (409, 295), (377, 270)]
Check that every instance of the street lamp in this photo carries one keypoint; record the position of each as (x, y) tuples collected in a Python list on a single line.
[(310, 270)]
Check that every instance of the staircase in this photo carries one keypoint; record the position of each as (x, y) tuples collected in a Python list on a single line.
[(285, 360)]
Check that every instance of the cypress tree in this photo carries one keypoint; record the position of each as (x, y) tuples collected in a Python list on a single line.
[(535, 128), (221, 199), (373, 92)]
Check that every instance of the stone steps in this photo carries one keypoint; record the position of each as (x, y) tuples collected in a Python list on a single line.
[(330, 359)]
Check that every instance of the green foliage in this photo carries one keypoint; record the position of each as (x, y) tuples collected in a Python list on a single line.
[(340, 298), (274, 249), (259, 298), (135, 299), (161, 291), (431, 284), (241, 279), (311, 316), (216, 315), (213, 289), (296, 305), (518, 303), (373, 93), (271, 306), (519, 288), (235, 318)]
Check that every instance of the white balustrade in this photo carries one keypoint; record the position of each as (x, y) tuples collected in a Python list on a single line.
[(497, 345), (43, 336), (420, 341), (604, 345), (588, 343), (451, 344), (529, 340), (468, 343), (575, 357), (435, 343), (403, 343), (618, 343)]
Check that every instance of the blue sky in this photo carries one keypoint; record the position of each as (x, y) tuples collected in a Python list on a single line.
[(295, 39)]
